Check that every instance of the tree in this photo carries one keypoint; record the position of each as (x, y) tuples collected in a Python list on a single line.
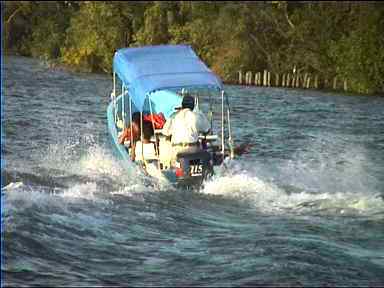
[(49, 26), (155, 28), (16, 14), (330, 39), (359, 53), (95, 32)]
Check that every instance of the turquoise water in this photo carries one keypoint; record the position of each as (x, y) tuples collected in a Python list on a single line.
[(304, 208)]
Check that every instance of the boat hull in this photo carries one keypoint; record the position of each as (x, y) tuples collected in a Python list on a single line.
[(168, 176)]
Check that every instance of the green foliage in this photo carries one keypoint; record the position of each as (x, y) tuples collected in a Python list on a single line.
[(359, 54), (316, 27), (95, 32), (48, 31), (17, 29), (202, 38), (155, 29), (232, 53), (342, 39)]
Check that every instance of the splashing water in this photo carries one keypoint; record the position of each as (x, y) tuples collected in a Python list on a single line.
[(312, 182), (304, 208)]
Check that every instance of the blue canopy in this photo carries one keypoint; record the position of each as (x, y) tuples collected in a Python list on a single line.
[(164, 101), (150, 68)]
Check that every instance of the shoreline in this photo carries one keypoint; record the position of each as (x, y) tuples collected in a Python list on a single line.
[(55, 65)]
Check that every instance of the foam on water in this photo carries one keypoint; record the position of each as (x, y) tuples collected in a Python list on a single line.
[(327, 177), (71, 212), (268, 198), (327, 174), (85, 191), (20, 196), (331, 164), (79, 156), (83, 155), (324, 177), (316, 181)]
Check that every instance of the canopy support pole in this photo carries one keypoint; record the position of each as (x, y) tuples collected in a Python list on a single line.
[(123, 104), (154, 134), (230, 140), (210, 112), (141, 137), (222, 122), (130, 117), (114, 83), (114, 96)]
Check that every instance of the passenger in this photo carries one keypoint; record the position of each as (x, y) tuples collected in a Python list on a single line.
[(184, 128), (146, 150), (126, 135), (147, 132)]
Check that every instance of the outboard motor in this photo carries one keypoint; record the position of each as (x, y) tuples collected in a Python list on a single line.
[(193, 168)]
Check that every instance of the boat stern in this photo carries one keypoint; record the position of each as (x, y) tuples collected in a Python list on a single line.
[(193, 168)]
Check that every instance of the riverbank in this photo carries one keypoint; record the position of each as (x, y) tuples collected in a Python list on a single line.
[(298, 81), (327, 39), (56, 65)]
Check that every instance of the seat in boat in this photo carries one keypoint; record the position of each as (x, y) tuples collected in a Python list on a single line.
[(146, 151)]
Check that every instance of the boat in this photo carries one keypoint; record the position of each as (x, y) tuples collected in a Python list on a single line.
[(152, 80)]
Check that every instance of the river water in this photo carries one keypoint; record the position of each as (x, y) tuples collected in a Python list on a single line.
[(304, 208)]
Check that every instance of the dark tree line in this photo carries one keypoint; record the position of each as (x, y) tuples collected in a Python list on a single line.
[(343, 39)]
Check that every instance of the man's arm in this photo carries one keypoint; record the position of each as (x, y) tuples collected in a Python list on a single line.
[(124, 135), (203, 124), (167, 127)]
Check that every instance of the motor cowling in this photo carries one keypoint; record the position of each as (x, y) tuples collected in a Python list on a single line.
[(193, 168)]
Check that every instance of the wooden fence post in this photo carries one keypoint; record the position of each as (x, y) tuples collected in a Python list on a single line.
[(305, 79), (240, 77), (335, 83), (265, 78), (308, 82), (250, 77), (297, 80), (246, 78)]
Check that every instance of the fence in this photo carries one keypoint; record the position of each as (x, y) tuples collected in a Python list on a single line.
[(291, 80)]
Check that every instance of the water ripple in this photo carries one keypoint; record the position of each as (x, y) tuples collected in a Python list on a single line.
[(303, 208)]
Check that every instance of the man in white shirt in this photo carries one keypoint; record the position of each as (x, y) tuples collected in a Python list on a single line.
[(184, 128)]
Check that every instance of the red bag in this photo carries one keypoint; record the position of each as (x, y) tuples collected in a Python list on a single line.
[(158, 119)]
